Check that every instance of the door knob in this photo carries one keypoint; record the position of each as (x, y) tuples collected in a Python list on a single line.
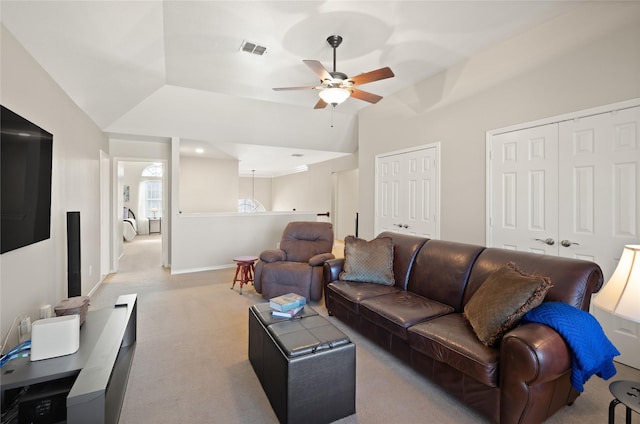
[(568, 243), (548, 241), (405, 226)]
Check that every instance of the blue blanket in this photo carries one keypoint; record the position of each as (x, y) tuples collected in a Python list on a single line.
[(592, 352)]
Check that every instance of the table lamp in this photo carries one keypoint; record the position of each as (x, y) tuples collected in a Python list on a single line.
[(154, 210), (621, 295)]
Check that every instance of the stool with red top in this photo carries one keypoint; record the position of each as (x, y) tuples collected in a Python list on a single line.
[(245, 267)]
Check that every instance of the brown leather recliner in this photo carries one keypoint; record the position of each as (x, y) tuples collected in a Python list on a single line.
[(297, 266)]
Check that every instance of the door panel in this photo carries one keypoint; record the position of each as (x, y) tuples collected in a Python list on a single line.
[(388, 197), (598, 205), (524, 186), (407, 193)]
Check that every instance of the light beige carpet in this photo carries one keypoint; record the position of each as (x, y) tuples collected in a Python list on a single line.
[(191, 364)]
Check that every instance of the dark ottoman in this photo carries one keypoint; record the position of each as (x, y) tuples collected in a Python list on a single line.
[(306, 365)]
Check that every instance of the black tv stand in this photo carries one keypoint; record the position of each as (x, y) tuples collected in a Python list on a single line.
[(91, 382)]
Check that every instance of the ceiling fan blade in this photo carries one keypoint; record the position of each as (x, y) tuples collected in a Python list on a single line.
[(321, 104), (318, 69), (293, 88), (367, 77), (366, 96)]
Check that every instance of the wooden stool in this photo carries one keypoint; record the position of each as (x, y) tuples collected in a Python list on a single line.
[(245, 268), (626, 393)]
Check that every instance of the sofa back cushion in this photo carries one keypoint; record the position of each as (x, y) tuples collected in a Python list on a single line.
[(441, 271), (573, 280), (405, 247)]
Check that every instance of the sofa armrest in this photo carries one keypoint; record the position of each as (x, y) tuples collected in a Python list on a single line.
[(319, 259), (273, 255), (535, 369), (332, 269)]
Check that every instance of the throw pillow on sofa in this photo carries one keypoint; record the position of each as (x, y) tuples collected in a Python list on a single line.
[(499, 303), (368, 261)]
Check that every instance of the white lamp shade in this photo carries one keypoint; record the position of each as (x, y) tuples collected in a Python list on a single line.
[(334, 95), (621, 295)]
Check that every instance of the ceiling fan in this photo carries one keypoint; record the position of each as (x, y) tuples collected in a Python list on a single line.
[(335, 87)]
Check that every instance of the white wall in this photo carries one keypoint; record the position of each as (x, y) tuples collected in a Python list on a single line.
[(202, 241), (311, 190), (36, 275), (584, 59), (260, 187), (208, 185), (211, 241)]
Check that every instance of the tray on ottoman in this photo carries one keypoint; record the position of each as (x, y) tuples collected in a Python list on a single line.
[(306, 365)]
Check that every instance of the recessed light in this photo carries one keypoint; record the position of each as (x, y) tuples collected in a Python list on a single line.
[(297, 155), (199, 151)]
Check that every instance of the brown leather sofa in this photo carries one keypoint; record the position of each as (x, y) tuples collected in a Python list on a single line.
[(296, 267), (524, 379)]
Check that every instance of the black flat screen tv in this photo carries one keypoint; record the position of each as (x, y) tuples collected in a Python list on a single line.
[(25, 172)]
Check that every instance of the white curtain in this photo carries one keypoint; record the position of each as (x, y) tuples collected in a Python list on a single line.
[(141, 217)]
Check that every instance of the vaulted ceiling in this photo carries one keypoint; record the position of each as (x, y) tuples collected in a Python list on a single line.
[(156, 69)]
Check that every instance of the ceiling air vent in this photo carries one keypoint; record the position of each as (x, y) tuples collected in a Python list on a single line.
[(254, 48)]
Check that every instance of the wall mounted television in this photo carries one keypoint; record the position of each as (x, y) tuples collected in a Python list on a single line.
[(25, 181)]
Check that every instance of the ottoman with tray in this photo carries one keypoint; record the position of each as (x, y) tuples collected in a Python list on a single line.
[(305, 364)]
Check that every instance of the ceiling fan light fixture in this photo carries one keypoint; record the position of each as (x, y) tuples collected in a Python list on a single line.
[(334, 95)]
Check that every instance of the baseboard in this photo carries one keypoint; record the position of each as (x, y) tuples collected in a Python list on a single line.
[(208, 268)]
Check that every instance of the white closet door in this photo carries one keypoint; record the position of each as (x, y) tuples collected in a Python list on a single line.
[(388, 194), (524, 190), (407, 192), (595, 203), (600, 172), (599, 186)]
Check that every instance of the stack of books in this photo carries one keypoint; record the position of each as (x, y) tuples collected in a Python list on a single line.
[(287, 305)]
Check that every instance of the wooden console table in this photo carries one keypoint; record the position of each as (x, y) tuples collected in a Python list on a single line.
[(97, 373)]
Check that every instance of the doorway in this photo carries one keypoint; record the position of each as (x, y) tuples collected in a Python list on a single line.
[(345, 207), (140, 209)]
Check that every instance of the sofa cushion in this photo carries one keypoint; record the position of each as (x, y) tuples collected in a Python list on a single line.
[(500, 302), (368, 261), (397, 311), (428, 279), (351, 293), (279, 278), (451, 340)]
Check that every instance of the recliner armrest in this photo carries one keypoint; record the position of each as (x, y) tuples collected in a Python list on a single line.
[(319, 259), (273, 255)]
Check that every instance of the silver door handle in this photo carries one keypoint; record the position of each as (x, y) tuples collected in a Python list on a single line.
[(568, 243), (548, 241)]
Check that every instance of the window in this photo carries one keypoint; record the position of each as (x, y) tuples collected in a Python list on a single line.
[(250, 205), (154, 170), (153, 198), (151, 191)]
